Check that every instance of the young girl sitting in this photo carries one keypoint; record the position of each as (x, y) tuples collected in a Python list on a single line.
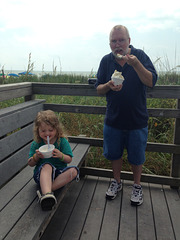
[(50, 173)]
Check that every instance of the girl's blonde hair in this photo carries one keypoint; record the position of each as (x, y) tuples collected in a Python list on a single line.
[(48, 117)]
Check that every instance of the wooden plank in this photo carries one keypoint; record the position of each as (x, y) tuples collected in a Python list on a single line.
[(162, 221), (9, 91), (35, 229), (73, 145), (60, 219), (75, 224), (145, 216), (15, 141), (94, 218), (21, 89), (77, 89), (64, 89), (13, 164), (30, 221), (19, 107), (157, 179), (89, 90), (164, 92), (164, 112), (175, 165), (163, 147), (158, 112), (10, 190), (91, 141), (26, 227), (79, 153), (15, 209), (151, 147), (17, 119), (173, 203), (128, 222), (110, 223), (75, 108)]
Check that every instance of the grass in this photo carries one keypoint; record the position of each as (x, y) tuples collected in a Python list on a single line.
[(160, 129)]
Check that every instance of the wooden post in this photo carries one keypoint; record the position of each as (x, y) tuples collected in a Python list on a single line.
[(175, 167), (29, 97)]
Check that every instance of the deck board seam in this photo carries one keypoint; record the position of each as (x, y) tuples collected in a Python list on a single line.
[(153, 215), (170, 217), (89, 207)]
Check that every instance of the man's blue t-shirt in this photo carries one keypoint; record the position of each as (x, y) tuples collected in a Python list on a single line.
[(126, 109)]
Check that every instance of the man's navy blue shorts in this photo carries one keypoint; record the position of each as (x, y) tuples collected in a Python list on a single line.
[(134, 141)]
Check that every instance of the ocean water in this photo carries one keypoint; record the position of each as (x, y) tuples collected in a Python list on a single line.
[(40, 73)]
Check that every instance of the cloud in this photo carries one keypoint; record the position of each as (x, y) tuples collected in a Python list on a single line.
[(56, 20), (77, 31), (155, 16)]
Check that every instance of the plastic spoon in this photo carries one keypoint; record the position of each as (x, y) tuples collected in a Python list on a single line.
[(48, 142)]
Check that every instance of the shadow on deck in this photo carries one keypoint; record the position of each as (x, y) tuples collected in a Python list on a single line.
[(86, 214)]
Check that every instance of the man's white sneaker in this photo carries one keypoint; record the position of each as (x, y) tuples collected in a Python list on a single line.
[(113, 189), (137, 195)]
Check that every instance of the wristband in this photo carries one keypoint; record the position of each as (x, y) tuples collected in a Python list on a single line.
[(34, 159), (62, 159)]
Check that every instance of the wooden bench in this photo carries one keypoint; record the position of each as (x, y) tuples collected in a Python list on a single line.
[(21, 216)]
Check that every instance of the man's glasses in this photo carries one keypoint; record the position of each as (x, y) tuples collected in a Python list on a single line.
[(120, 41)]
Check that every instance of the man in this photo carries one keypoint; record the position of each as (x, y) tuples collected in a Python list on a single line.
[(126, 117)]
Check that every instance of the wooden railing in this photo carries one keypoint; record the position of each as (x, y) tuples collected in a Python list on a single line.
[(29, 90)]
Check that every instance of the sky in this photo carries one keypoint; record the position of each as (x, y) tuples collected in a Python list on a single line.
[(74, 35)]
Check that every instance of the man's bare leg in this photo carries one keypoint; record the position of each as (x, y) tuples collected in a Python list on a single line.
[(117, 166)]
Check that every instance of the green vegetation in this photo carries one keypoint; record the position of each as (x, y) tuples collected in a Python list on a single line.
[(59, 78), (160, 129)]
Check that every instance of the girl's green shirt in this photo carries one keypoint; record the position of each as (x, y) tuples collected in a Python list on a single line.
[(63, 146)]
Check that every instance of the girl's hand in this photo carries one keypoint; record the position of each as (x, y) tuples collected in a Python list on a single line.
[(57, 153), (39, 154)]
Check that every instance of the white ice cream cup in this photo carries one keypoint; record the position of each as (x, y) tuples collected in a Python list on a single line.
[(47, 152), (117, 81)]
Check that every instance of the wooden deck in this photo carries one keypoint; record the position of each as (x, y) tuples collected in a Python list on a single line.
[(85, 214)]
